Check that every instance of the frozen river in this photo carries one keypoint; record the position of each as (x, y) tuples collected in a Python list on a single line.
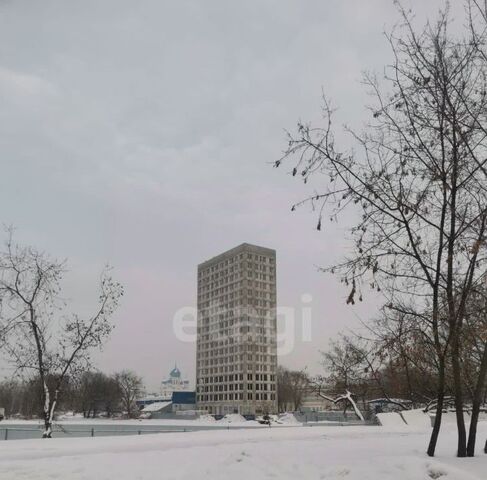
[(12, 430), (26, 430)]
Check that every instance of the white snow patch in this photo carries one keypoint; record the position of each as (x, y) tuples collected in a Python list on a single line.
[(155, 407), (69, 416), (233, 418), (206, 419), (391, 419), (416, 418), (288, 419)]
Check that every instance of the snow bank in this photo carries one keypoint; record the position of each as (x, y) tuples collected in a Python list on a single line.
[(289, 419), (392, 419), (206, 419), (449, 418), (233, 418), (446, 417), (69, 416), (416, 418), (412, 418)]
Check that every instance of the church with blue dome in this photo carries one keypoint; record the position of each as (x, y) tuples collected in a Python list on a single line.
[(174, 383)]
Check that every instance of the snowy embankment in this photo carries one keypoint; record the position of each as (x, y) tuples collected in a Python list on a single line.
[(410, 418), (418, 419), (355, 453)]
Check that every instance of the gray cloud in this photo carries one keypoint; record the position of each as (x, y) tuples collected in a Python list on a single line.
[(141, 133)]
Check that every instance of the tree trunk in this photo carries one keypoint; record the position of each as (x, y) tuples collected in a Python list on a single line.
[(477, 401), (47, 411), (457, 385), (47, 427), (49, 414), (439, 409)]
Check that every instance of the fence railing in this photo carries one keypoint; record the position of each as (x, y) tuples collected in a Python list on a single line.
[(12, 432), (6, 433), (347, 418)]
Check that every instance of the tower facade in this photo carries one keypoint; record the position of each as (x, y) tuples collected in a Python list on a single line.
[(236, 357)]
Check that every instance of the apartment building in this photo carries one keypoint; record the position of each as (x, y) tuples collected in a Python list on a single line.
[(236, 358)]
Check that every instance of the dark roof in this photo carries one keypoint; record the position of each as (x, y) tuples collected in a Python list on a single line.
[(184, 397), (244, 247)]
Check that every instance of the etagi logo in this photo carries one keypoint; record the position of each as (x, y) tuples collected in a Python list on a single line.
[(292, 323)]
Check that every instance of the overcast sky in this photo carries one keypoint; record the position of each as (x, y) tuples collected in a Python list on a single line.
[(141, 133)]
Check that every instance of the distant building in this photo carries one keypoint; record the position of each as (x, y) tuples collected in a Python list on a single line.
[(236, 358), (312, 401), (173, 384), (183, 401), (157, 407)]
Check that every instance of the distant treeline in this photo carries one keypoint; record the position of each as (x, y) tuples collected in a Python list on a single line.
[(93, 394)]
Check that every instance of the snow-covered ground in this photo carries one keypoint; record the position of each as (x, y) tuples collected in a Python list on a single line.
[(365, 453)]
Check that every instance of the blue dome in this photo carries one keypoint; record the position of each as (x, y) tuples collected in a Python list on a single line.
[(175, 373)]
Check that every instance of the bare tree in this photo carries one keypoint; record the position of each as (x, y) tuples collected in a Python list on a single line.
[(292, 386), (391, 357), (343, 362), (11, 397), (97, 392), (474, 357), (130, 386), (404, 345), (320, 386), (417, 176), (40, 340), (477, 15)]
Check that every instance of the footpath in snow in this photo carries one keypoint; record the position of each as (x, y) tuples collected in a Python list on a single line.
[(355, 453)]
